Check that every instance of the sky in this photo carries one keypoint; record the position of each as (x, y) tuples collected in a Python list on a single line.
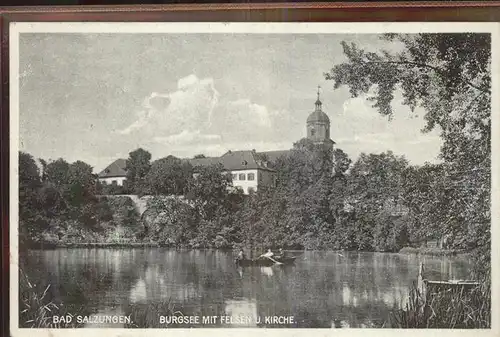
[(97, 97)]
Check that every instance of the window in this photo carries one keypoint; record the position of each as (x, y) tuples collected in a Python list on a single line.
[(241, 176), (235, 176), (313, 132), (251, 176), (104, 182), (114, 182)]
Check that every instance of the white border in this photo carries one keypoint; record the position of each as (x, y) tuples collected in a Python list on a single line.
[(268, 28)]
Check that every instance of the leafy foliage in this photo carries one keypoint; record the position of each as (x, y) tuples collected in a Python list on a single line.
[(168, 176), (138, 165), (59, 204), (449, 76)]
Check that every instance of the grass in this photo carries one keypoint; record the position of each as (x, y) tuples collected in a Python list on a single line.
[(36, 309), (445, 309)]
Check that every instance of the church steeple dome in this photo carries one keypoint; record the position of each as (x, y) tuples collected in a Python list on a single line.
[(318, 125), (318, 115)]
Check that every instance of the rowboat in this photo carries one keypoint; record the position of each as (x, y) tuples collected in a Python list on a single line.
[(265, 262)]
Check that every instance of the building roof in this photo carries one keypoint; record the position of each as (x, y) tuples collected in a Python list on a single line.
[(318, 116), (234, 161), (231, 161), (273, 156), (115, 169), (206, 161)]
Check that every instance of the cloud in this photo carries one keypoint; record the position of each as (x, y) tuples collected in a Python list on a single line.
[(187, 137), (244, 119), (141, 122), (358, 108), (193, 119), (189, 108), (360, 128), (251, 112), (218, 149), (186, 82)]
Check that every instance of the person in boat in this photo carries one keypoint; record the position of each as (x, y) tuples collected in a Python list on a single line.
[(241, 255), (269, 254), (281, 254)]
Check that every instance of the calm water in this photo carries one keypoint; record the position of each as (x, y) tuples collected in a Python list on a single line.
[(322, 290)]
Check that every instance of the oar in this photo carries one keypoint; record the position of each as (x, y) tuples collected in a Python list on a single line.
[(277, 262)]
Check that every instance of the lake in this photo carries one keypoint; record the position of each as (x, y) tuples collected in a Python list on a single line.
[(322, 289)]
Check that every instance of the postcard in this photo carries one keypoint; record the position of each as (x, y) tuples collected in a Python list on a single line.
[(255, 178)]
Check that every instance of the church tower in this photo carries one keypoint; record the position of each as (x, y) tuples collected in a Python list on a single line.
[(318, 126)]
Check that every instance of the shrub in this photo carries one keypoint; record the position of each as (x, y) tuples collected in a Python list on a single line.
[(446, 309), (36, 308)]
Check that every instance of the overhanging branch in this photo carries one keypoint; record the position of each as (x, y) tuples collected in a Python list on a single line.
[(428, 66)]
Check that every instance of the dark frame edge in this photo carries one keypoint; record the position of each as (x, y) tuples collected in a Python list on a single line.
[(250, 6), (4, 173), (365, 11)]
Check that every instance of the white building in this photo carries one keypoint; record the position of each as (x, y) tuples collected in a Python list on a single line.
[(249, 169), (114, 174)]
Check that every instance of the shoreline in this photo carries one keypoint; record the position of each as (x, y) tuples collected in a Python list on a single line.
[(124, 245), (94, 245), (426, 251)]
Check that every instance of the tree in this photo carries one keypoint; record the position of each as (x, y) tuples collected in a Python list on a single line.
[(341, 162), (168, 176), (29, 183), (375, 187), (54, 195), (138, 166), (172, 221), (82, 183), (449, 76), (209, 190), (422, 188), (56, 172)]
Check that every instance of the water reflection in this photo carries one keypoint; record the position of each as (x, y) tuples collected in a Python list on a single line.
[(244, 308), (322, 290), (268, 271)]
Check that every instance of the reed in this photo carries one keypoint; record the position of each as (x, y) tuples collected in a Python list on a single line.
[(445, 309), (36, 309)]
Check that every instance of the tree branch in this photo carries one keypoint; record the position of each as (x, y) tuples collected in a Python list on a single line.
[(428, 66)]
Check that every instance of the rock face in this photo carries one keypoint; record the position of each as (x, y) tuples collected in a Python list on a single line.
[(159, 219), (140, 203), (143, 203)]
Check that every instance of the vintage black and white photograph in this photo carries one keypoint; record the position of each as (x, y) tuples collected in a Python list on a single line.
[(252, 176)]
